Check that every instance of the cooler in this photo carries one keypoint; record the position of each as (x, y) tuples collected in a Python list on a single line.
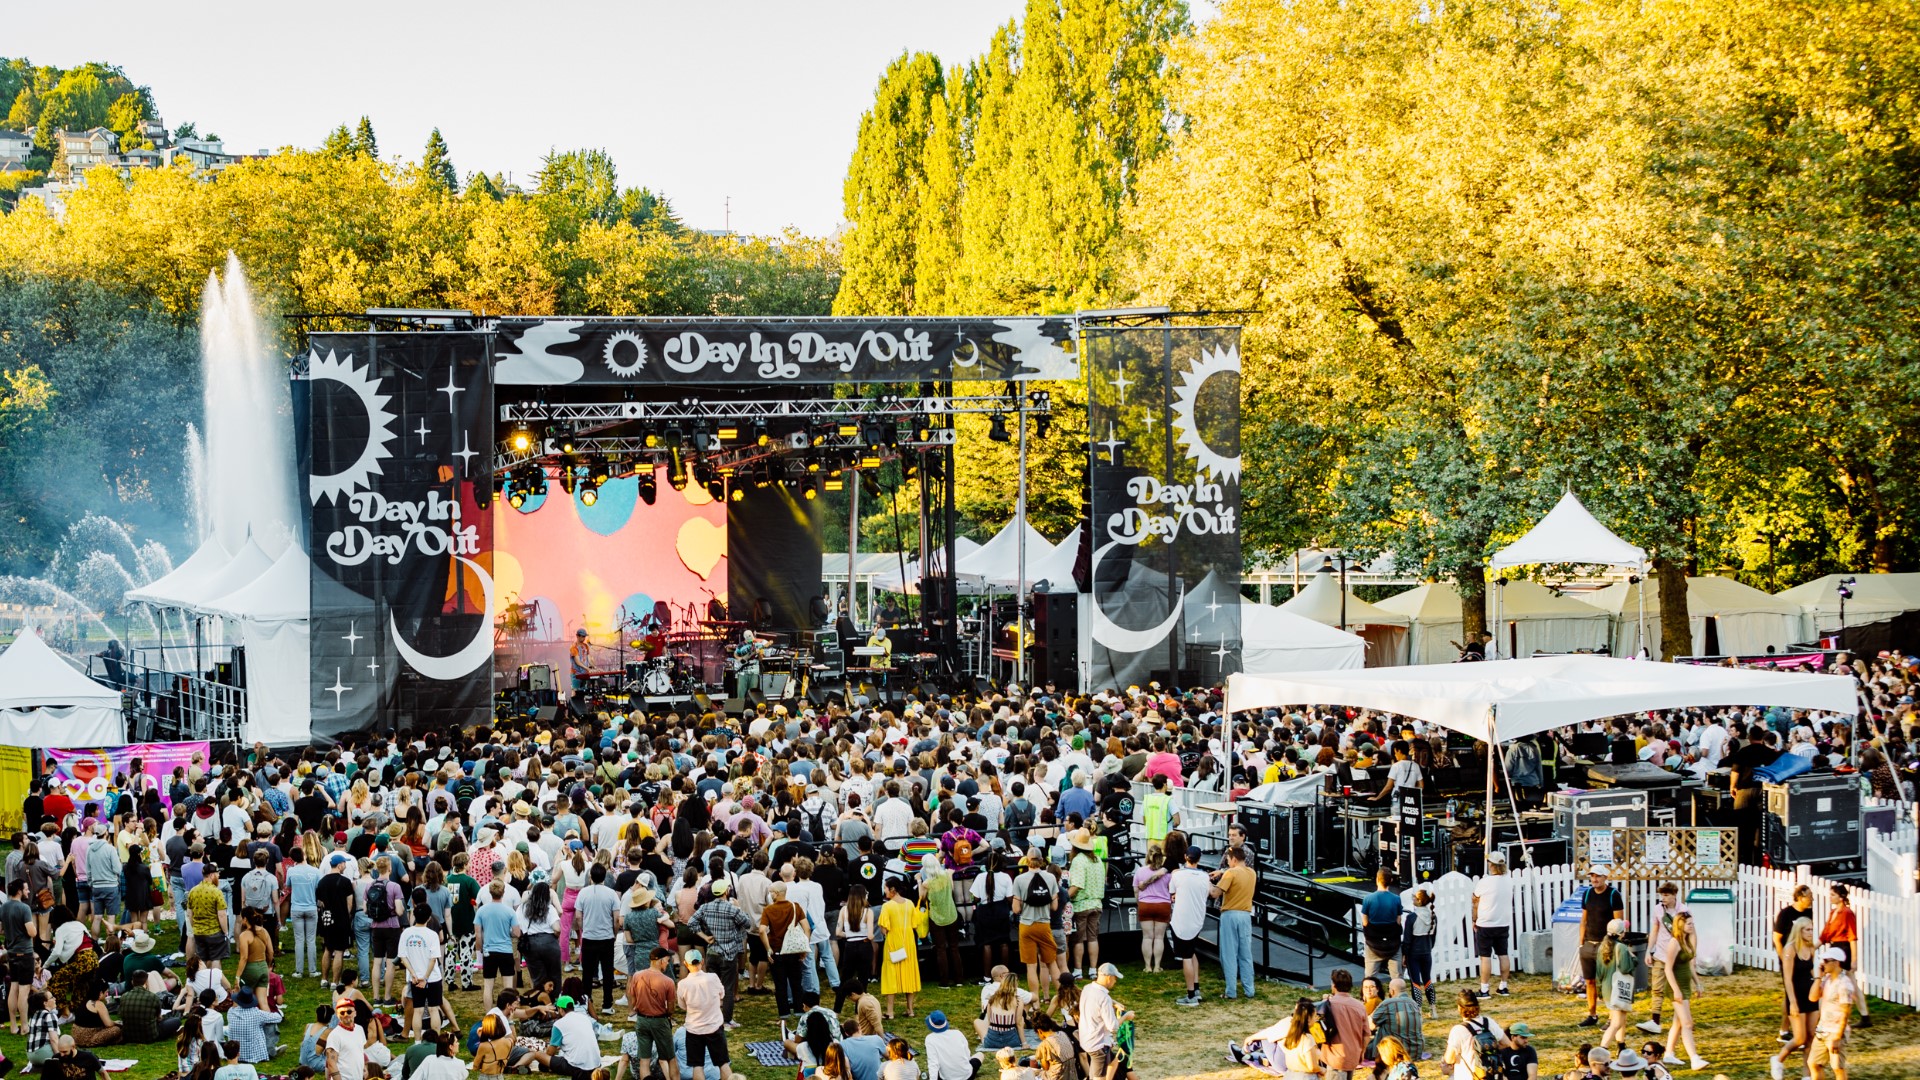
[(1713, 923)]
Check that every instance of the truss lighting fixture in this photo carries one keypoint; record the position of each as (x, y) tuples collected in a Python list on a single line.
[(760, 435), (870, 461), (589, 493), (727, 433), (997, 428), (717, 488), (848, 430), (522, 438), (739, 494), (811, 490), (834, 483), (648, 489)]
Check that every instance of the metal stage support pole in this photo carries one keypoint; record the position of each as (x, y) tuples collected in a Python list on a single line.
[(1020, 537), (853, 539)]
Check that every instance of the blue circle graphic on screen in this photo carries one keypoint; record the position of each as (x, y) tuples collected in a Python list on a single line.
[(613, 506), (635, 606)]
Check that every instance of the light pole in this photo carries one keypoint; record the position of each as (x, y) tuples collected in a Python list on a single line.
[(1845, 592), (1327, 567)]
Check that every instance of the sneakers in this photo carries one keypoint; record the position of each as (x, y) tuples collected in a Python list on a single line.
[(1652, 1027), (1188, 1000), (1503, 991), (1235, 1054), (1485, 990), (1672, 1060), (1591, 1021), (1078, 975), (1698, 1064), (1777, 1068), (1786, 1036)]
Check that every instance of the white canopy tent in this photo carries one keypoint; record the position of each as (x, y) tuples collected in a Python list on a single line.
[(1568, 534), (997, 562), (273, 611), (1499, 700), (1056, 567), (1536, 620), (247, 564), (1876, 598), (177, 588), (1274, 640), (1384, 631), (893, 580), (44, 702), (1745, 620)]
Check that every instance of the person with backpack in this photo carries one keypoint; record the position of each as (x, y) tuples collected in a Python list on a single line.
[(1474, 1044), (1021, 814), (1038, 893), (1382, 931), (1346, 1027)]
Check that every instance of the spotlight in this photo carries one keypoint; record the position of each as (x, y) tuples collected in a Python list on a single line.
[(1041, 423), (834, 483), (648, 491), (597, 470), (677, 472), (760, 435), (739, 494), (997, 428), (589, 494), (522, 438), (517, 499), (811, 490), (819, 438), (848, 430), (727, 433), (761, 480), (566, 444), (651, 440), (536, 483), (717, 488), (871, 461)]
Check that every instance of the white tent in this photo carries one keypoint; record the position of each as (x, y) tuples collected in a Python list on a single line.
[(178, 587), (1275, 640), (247, 563), (1056, 568), (1745, 620), (272, 611), (997, 562), (44, 702), (1569, 534), (1385, 631), (893, 579), (1876, 598), (1538, 620)]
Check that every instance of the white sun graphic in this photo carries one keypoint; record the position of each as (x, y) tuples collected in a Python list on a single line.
[(359, 475), (626, 369), (1186, 400)]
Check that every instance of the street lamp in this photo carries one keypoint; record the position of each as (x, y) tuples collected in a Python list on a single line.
[(1845, 592), (1327, 567)]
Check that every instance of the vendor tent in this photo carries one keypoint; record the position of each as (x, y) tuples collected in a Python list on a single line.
[(1569, 534), (894, 579), (1056, 568), (1876, 598), (44, 702), (1725, 618), (1537, 620), (997, 562), (178, 587), (1384, 631), (1276, 640), (247, 563), (272, 611)]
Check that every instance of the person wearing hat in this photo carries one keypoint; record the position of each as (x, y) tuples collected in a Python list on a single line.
[(704, 1000), (1493, 922), (1520, 1058), (1474, 1041), (1100, 1021), (1616, 969), (580, 660), (1600, 904), (573, 1035), (949, 1053), (1629, 1063), (1835, 993), (1087, 895)]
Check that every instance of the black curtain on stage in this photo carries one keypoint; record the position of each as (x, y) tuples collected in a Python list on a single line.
[(773, 556)]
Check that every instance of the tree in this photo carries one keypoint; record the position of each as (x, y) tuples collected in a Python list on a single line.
[(364, 143), (437, 165), (190, 130), (339, 143), (582, 183), (480, 185), (882, 194), (127, 118)]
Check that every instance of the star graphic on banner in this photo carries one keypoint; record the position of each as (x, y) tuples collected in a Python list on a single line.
[(373, 667), (1150, 421), (423, 430), (351, 636), (1222, 651), (1120, 383), (337, 689), (1213, 604), (450, 389), (1112, 443), (465, 452), (1195, 636)]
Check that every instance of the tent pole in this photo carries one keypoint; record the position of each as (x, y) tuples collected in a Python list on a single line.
[(1499, 617), (1526, 850), (1640, 633), (1493, 747)]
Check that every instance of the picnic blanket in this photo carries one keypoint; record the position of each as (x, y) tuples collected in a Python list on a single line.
[(771, 1054)]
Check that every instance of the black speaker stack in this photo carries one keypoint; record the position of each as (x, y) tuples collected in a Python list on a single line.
[(1056, 639), (1814, 819)]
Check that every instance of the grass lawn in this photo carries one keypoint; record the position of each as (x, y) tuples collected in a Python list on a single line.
[(1737, 1018)]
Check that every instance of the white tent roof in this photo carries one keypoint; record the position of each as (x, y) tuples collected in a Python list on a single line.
[(1510, 699), (1275, 640), (1706, 596), (179, 587), (998, 560), (33, 676), (1875, 597), (283, 593), (1056, 569), (892, 580), (247, 564), (1569, 534), (1319, 600), (1439, 602)]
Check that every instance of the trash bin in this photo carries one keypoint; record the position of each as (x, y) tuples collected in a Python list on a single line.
[(1566, 945), (1713, 924), (1638, 943)]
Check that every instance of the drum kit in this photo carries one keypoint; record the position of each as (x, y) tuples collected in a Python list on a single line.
[(684, 648)]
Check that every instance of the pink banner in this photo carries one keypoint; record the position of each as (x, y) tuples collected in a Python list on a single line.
[(94, 774)]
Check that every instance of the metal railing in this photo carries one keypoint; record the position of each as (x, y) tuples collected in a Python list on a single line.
[(163, 705)]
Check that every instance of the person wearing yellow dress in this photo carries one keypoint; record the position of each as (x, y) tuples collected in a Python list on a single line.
[(900, 953)]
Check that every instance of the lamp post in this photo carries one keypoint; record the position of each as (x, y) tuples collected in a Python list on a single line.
[(1845, 592), (1327, 567)]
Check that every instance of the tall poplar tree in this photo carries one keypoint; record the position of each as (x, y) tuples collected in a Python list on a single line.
[(884, 190)]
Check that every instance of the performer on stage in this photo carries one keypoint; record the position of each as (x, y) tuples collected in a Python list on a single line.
[(747, 655), (878, 640), (579, 659)]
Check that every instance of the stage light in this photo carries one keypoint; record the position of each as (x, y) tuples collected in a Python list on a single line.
[(566, 444), (517, 499), (870, 462), (648, 491), (717, 489), (761, 481), (849, 431), (760, 436), (923, 430), (597, 470), (522, 438), (728, 433), (739, 494), (677, 472), (813, 465), (834, 483), (819, 439), (811, 491), (651, 440), (671, 437), (536, 482), (1041, 423), (589, 494), (997, 428)]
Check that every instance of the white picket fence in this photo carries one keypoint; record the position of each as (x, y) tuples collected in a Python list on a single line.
[(1888, 963)]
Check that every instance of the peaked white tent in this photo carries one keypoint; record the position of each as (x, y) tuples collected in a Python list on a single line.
[(182, 584), (273, 611), (1745, 620), (44, 702), (1275, 640), (1385, 631), (1499, 700), (1568, 534), (1056, 568), (997, 562), (247, 564), (1876, 598), (1536, 620), (893, 580)]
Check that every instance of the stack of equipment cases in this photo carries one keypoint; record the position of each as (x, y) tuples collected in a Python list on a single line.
[(1815, 820), (1613, 808)]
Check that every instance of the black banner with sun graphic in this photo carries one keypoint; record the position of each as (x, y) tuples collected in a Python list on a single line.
[(1163, 421), (397, 465)]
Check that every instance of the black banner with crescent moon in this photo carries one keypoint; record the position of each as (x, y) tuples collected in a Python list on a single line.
[(397, 468), (780, 352), (1163, 421)]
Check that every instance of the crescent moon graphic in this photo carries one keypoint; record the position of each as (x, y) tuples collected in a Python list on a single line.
[(973, 353), (1118, 638), (460, 664)]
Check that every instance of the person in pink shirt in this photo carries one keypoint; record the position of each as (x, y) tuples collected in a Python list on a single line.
[(1162, 762)]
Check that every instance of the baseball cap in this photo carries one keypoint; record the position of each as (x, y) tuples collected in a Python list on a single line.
[(1829, 952), (565, 1002), (693, 956), (1109, 969), (720, 888), (1521, 1029), (339, 858)]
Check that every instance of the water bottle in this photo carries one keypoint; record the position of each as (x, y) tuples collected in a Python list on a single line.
[(1450, 811)]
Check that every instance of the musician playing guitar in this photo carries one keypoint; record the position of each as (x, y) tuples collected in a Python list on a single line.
[(578, 659)]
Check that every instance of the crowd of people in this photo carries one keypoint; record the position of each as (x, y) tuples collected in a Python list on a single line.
[(630, 877)]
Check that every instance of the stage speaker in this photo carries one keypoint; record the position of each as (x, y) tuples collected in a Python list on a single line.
[(1056, 636), (816, 696), (1813, 819), (981, 686), (755, 697), (546, 714), (704, 702)]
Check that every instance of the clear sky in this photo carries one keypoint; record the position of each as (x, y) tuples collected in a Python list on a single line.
[(757, 100)]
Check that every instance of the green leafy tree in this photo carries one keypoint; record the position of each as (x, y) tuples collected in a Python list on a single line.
[(582, 183), (127, 118), (339, 143), (190, 130), (436, 164), (364, 143), (882, 194)]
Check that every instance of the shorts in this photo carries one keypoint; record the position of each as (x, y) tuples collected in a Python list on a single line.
[(1086, 924), (386, 943), (428, 996), (106, 900), (1098, 1062), (1184, 948), (338, 937), (652, 1038), (1036, 944), (1158, 913), (1589, 961), (212, 947), (1490, 941), (756, 951), (1834, 1054), (708, 1049), (497, 965), (254, 974), (20, 970)]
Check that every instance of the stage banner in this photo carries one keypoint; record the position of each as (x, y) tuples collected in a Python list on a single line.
[(1163, 423), (16, 777), (398, 466), (780, 352), (94, 774)]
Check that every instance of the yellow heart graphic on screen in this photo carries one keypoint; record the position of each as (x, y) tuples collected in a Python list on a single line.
[(701, 545)]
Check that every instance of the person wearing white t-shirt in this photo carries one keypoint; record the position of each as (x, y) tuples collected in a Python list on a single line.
[(346, 1045), (1493, 921), (1461, 1051), (420, 952), (1189, 887)]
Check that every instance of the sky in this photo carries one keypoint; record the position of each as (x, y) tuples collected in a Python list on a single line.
[(749, 103)]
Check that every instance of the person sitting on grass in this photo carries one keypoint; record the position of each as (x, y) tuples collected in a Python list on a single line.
[(232, 1068)]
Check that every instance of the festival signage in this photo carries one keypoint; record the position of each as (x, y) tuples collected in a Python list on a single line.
[(95, 774), (398, 469), (1163, 422), (780, 352)]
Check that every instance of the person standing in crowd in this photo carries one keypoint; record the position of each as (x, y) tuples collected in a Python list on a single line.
[(1474, 1043), (1836, 994), (652, 996), (1492, 922), (1659, 945), (1100, 1021), (1680, 945), (1799, 961), (1381, 931), (899, 950), (1421, 926), (1037, 891), (1087, 893), (422, 960), (1842, 931), (1600, 906), (1189, 887), (1233, 887), (725, 930), (594, 908), (1784, 933), (702, 997), (1616, 972), (18, 932)]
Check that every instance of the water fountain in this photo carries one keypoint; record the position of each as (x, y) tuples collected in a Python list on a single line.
[(246, 484)]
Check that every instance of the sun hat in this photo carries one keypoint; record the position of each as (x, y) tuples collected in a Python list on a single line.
[(1599, 1055), (140, 942), (1082, 839), (640, 897), (1629, 1061), (936, 1021)]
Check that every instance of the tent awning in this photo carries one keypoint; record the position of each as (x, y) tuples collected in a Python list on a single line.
[(1569, 534), (1274, 640), (181, 585), (1319, 600), (33, 676), (997, 561), (283, 593), (1510, 699)]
